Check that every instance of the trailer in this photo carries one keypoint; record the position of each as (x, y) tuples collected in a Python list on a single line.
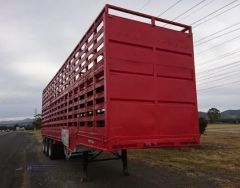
[(128, 84)]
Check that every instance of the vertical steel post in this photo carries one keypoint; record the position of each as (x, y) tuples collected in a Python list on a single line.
[(85, 166), (124, 162)]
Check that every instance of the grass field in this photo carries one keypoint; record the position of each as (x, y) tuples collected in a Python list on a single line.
[(37, 134), (223, 126), (217, 158)]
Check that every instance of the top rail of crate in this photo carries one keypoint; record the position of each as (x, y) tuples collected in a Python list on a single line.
[(153, 19)]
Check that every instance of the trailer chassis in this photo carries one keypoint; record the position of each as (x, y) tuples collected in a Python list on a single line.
[(87, 158)]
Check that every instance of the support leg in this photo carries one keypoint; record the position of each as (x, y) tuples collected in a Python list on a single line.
[(85, 165), (124, 162)]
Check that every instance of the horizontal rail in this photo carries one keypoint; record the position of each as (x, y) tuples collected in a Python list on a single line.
[(152, 18)]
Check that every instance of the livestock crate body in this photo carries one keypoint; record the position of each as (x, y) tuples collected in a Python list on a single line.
[(127, 84)]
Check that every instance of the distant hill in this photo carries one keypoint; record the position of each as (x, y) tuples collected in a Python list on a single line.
[(228, 114), (14, 122)]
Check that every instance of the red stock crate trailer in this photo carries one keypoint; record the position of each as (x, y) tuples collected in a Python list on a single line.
[(128, 84)]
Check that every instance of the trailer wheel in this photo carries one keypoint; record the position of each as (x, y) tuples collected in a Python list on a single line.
[(43, 146), (49, 149), (52, 150), (59, 151), (46, 146)]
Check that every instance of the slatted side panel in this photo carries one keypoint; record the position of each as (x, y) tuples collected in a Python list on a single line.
[(75, 96)]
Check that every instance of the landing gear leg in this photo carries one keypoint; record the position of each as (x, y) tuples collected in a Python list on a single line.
[(85, 165), (124, 162)]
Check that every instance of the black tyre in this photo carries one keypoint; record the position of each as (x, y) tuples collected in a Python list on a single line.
[(52, 150), (46, 146), (59, 151), (43, 146)]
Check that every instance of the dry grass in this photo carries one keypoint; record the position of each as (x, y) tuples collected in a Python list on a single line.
[(218, 158), (223, 126), (37, 134)]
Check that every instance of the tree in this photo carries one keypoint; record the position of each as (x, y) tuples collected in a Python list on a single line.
[(202, 125), (15, 126), (213, 115), (37, 121)]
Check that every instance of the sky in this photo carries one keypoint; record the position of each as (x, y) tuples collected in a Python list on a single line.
[(36, 37)]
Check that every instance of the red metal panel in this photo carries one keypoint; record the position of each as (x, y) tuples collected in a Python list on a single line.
[(151, 86), (127, 84)]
